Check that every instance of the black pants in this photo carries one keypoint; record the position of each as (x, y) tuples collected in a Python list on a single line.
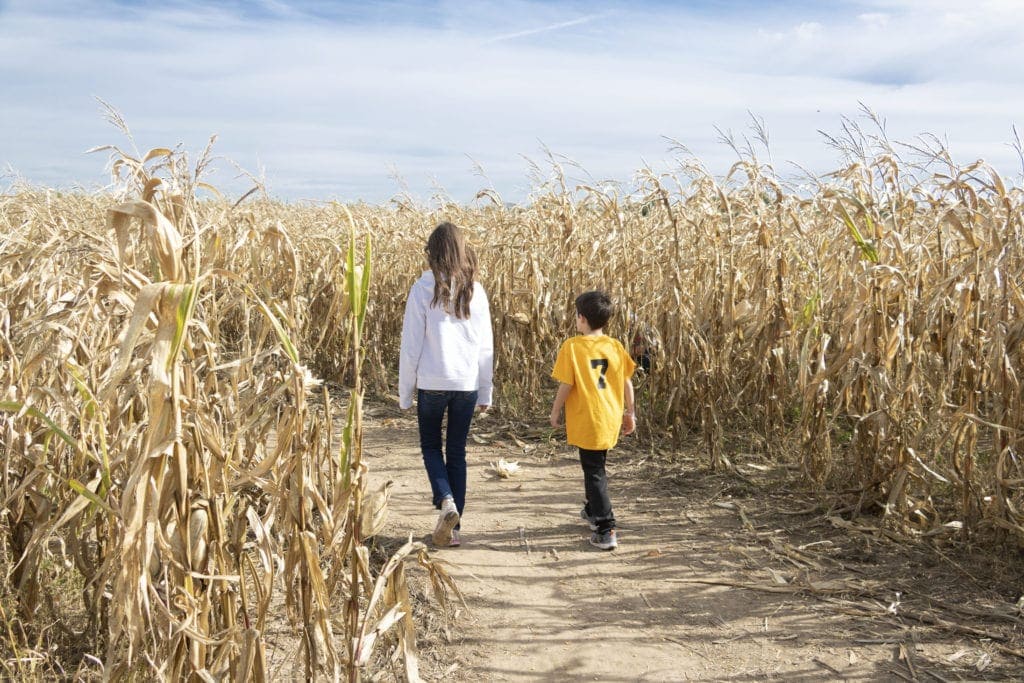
[(595, 484)]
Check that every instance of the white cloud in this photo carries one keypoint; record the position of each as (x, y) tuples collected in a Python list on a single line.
[(875, 20), (808, 30), (328, 105)]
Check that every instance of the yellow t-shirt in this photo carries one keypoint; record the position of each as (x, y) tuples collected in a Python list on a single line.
[(597, 368)]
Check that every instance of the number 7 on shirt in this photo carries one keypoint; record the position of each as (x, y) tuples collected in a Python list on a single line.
[(603, 364)]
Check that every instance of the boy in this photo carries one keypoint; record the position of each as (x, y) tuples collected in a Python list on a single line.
[(593, 371)]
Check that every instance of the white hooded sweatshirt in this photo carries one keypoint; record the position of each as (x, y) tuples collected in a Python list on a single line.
[(443, 352)]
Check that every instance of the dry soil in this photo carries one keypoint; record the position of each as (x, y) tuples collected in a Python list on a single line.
[(718, 577)]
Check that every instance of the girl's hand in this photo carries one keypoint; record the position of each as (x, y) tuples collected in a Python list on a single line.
[(556, 419)]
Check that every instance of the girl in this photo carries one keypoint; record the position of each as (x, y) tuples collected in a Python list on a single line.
[(447, 360)]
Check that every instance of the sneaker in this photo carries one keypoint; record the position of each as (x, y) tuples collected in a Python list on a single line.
[(605, 540), (446, 522), (591, 522), (456, 541)]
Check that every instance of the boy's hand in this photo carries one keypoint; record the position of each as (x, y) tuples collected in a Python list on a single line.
[(559, 403), (628, 423)]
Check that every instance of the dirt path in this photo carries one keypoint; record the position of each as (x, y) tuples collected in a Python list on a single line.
[(715, 579)]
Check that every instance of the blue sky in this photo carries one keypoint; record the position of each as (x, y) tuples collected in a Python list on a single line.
[(347, 101)]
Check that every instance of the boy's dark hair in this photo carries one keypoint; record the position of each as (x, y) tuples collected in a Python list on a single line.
[(596, 307)]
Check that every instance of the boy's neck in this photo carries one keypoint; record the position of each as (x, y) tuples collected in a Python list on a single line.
[(587, 332)]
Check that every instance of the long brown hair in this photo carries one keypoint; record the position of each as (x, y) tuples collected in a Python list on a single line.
[(454, 266)]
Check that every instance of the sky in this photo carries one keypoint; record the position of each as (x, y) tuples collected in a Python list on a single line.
[(367, 101)]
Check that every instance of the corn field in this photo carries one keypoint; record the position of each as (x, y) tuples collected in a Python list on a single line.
[(168, 456), (172, 482), (870, 327)]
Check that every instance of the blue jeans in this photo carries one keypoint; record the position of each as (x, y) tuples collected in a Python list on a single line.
[(445, 461)]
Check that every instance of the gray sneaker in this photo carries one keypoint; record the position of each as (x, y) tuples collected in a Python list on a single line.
[(591, 522), (605, 540)]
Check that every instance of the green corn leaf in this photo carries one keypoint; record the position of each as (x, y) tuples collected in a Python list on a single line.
[(810, 307), (92, 407), (84, 393), (17, 406), (365, 290), (866, 247), (84, 491), (186, 303), (282, 334), (350, 276)]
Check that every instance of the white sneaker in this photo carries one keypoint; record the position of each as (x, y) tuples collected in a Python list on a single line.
[(446, 522)]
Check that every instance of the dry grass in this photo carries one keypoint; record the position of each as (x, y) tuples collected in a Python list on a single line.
[(155, 351)]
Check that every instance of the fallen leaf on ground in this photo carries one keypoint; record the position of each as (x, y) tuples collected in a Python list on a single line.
[(505, 469)]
